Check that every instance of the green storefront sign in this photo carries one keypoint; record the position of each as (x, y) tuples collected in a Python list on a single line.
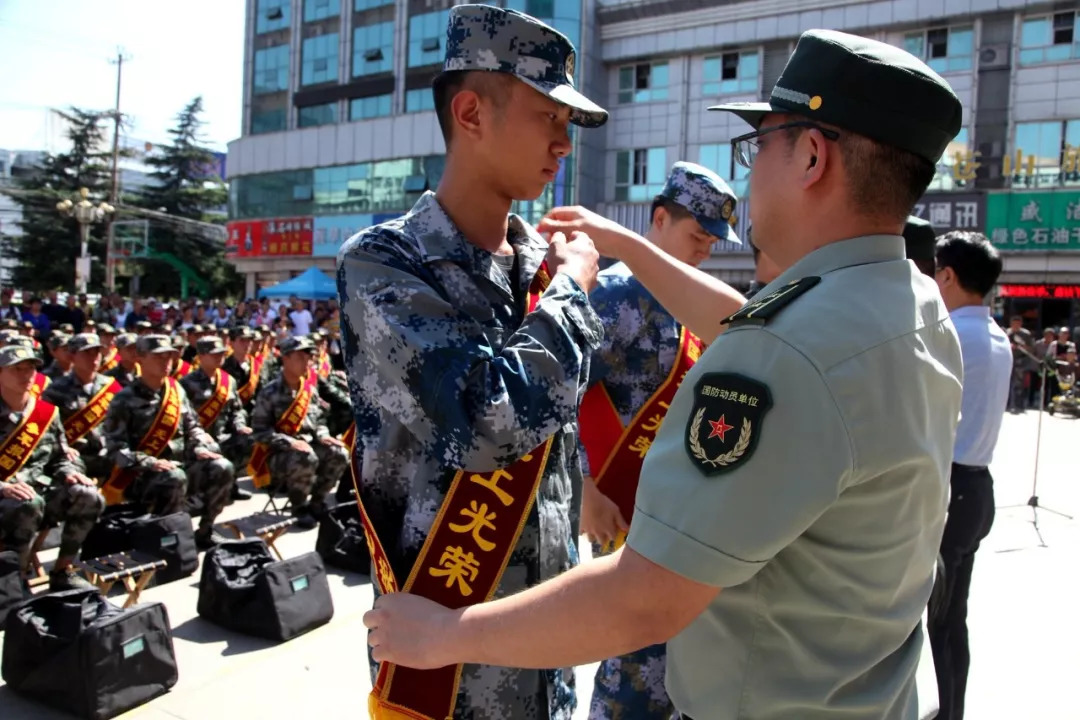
[(1037, 221)]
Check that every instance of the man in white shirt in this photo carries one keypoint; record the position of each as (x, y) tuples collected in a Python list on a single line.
[(300, 316), (967, 268)]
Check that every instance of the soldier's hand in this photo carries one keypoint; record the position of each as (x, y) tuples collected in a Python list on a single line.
[(332, 441), (605, 234), (577, 258), (17, 491), (72, 454), (204, 454), (410, 630), (245, 431), (601, 520), (79, 479), (301, 446), (163, 465)]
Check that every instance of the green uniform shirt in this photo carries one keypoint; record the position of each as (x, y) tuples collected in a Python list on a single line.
[(803, 468)]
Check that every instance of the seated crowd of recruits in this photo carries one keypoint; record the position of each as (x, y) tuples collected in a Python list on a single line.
[(125, 418)]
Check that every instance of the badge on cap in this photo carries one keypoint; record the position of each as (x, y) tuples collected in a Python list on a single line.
[(725, 212), (725, 421)]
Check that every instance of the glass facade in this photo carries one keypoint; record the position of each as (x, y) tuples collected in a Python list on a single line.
[(1051, 149), (266, 121), (943, 49), (271, 15), (382, 186), (370, 107), (361, 5), (640, 174), (318, 59), (373, 49), (1052, 38), (427, 34), (717, 157), (271, 72), (731, 73), (643, 83), (312, 115), (563, 15), (319, 9), (954, 164), (419, 100)]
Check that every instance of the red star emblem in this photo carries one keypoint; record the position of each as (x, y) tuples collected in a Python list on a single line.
[(719, 428)]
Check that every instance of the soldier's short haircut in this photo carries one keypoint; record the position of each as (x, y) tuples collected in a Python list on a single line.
[(492, 85)]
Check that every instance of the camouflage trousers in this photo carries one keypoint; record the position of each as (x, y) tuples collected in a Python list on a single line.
[(164, 492), (20, 521), (78, 507), (631, 687), (305, 474), (237, 448)]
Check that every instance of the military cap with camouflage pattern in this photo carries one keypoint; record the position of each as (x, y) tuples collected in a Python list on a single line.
[(124, 340), (486, 38), (706, 196), (153, 345), (242, 332), (296, 344), (178, 342), (15, 354), (11, 324), (84, 341), (22, 341), (210, 345), (58, 340), (8, 335), (143, 325), (106, 329), (66, 329)]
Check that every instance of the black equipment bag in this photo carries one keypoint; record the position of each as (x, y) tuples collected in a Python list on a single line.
[(77, 652), (13, 588), (245, 590), (171, 538), (341, 542), (112, 532)]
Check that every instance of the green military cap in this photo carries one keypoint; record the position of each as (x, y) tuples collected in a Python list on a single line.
[(210, 346), (237, 333), (84, 341), (15, 354), (66, 328), (10, 324), (264, 329), (22, 341), (490, 39), (8, 335), (865, 86), (920, 240), (27, 325), (178, 342), (166, 329), (106, 329), (58, 340), (706, 196), (124, 340), (143, 325), (296, 344), (153, 345)]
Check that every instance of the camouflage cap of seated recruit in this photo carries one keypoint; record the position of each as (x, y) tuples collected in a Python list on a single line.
[(706, 196), (58, 340), (246, 333), (106, 329), (143, 325), (10, 324), (66, 328), (8, 335), (153, 345), (486, 38), (124, 340), (178, 342), (211, 345), (22, 341), (296, 344), (84, 341), (15, 354)]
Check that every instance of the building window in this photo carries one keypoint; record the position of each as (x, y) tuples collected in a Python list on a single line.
[(643, 83), (370, 107), (319, 9), (1046, 154), (373, 49), (271, 15), (957, 167), (271, 70), (563, 15), (717, 157), (943, 49), (1052, 38), (640, 174), (319, 60), (313, 115), (427, 33), (731, 73), (267, 121), (419, 100), (361, 5)]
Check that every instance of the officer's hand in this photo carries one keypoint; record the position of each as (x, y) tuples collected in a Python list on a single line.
[(605, 234), (79, 479), (17, 491), (301, 446), (410, 630), (245, 431), (204, 454), (577, 258), (601, 520)]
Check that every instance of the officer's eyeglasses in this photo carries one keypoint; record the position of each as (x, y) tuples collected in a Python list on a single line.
[(745, 147)]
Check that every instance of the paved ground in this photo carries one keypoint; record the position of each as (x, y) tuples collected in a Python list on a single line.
[(1025, 636)]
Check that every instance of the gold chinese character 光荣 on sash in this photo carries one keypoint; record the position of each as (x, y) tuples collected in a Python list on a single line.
[(461, 563), (619, 452), (19, 445), (157, 438), (289, 424), (211, 409), (90, 415)]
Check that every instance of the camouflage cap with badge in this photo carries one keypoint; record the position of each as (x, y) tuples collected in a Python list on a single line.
[(106, 329), (66, 328), (15, 354), (23, 341), (211, 345), (706, 196), (58, 340), (10, 324), (124, 340), (178, 342), (143, 326), (296, 344), (486, 38), (246, 333), (153, 345), (84, 341), (7, 335)]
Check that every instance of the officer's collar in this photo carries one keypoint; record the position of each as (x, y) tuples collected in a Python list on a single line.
[(838, 255)]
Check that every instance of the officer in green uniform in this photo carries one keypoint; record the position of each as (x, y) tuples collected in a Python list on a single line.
[(790, 509)]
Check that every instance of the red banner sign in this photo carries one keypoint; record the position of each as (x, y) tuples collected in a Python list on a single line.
[(270, 238), (1041, 292)]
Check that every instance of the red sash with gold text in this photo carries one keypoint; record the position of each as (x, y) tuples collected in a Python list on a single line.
[(324, 365), (21, 442), (41, 381), (619, 452), (111, 361), (289, 424), (90, 416), (461, 562), (157, 438), (248, 391), (183, 369), (208, 413)]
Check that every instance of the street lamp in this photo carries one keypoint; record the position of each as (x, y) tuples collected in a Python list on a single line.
[(85, 213)]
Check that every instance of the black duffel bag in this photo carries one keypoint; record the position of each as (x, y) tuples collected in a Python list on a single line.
[(341, 542), (111, 534), (13, 588), (171, 538), (77, 652), (245, 590)]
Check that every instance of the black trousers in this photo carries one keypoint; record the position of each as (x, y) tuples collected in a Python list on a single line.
[(971, 514)]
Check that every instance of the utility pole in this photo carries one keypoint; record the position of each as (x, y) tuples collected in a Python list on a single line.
[(114, 193)]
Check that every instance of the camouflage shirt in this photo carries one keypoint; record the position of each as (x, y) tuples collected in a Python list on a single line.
[(273, 400), (232, 418), (121, 374), (641, 341), (448, 371), (70, 396), (130, 416), (54, 371), (335, 404), (48, 461)]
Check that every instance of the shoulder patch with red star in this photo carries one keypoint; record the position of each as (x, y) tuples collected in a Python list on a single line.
[(725, 421)]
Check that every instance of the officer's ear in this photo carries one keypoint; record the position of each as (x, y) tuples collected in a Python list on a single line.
[(814, 151)]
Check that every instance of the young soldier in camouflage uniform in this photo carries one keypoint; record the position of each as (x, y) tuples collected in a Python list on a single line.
[(160, 481), (127, 369), (241, 363), (61, 356), (107, 334), (310, 461), (448, 368), (38, 481), (71, 393), (334, 399), (225, 420), (640, 349)]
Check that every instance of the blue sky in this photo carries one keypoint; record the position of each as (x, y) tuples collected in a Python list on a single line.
[(56, 53)]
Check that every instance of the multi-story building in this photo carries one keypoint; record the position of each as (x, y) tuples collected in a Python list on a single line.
[(339, 131)]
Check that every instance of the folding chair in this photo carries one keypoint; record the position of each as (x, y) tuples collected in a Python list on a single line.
[(267, 526), (134, 569)]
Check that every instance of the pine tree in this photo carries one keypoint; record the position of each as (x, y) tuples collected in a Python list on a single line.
[(182, 188), (46, 251)]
